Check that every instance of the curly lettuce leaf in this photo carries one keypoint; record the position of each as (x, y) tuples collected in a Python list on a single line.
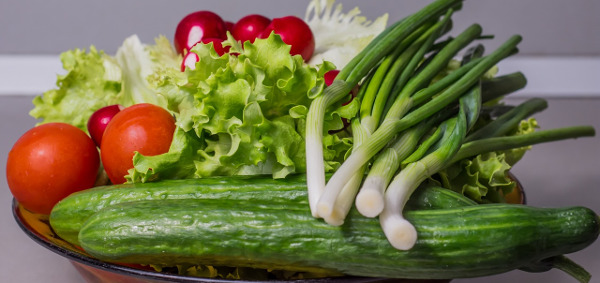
[(484, 178), (241, 114), (94, 79), (338, 36)]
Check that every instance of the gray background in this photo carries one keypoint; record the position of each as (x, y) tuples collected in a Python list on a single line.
[(555, 174), (550, 27)]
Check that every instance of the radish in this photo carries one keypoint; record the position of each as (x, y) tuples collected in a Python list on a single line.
[(249, 27), (229, 26), (197, 26), (330, 76), (99, 120), (295, 32), (217, 44), (190, 59)]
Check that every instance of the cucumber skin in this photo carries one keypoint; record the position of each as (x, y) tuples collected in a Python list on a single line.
[(462, 242), (68, 215)]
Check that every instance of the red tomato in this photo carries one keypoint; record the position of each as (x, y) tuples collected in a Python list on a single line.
[(249, 27), (145, 128), (197, 26), (295, 32), (48, 163)]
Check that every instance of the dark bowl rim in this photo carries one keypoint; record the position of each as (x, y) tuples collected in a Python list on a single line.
[(144, 274)]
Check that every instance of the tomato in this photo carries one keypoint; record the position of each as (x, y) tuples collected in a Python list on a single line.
[(48, 163), (197, 26), (249, 27), (145, 128), (295, 32)]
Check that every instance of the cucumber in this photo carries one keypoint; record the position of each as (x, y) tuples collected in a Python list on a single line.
[(469, 241), (68, 215)]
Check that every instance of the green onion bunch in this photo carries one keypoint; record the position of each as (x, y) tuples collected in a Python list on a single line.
[(412, 122)]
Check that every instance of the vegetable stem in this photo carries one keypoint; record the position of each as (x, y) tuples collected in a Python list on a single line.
[(350, 76), (477, 147), (393, 125)]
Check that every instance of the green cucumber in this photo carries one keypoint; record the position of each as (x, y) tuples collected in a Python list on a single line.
[(68, 215), (468, 241)]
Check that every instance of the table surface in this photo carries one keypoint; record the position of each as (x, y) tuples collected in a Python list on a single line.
[(555, 174)]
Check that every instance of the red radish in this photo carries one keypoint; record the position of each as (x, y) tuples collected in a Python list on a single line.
[(229, 26), (330, 76), (217, 44), (295, 32), (98, 121), (249, 27), (190, 59), (197, 26)]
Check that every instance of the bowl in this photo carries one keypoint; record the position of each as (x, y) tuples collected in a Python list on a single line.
[(38, 228)]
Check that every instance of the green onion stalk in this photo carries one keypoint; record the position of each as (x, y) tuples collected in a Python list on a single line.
[(370, 199), (391, 127), (401, 233), (408, 63), (476, 147), (350, 76), (334, 205)]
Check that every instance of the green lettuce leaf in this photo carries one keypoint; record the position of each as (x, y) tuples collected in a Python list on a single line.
[(94, 79), (485, 178), (241, 114)]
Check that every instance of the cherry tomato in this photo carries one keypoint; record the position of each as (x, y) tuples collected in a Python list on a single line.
[(48, 163), (295, 32), (197, 26), (145, 128), (249, 27)]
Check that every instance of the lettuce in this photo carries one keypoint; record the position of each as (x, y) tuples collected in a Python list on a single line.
[(484, 178), (241, 114), (94, 79), (236, 114)]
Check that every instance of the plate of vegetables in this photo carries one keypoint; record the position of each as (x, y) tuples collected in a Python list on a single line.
[(264, 150)]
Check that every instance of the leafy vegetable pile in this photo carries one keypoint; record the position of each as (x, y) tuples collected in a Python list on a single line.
[(408, 107)]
